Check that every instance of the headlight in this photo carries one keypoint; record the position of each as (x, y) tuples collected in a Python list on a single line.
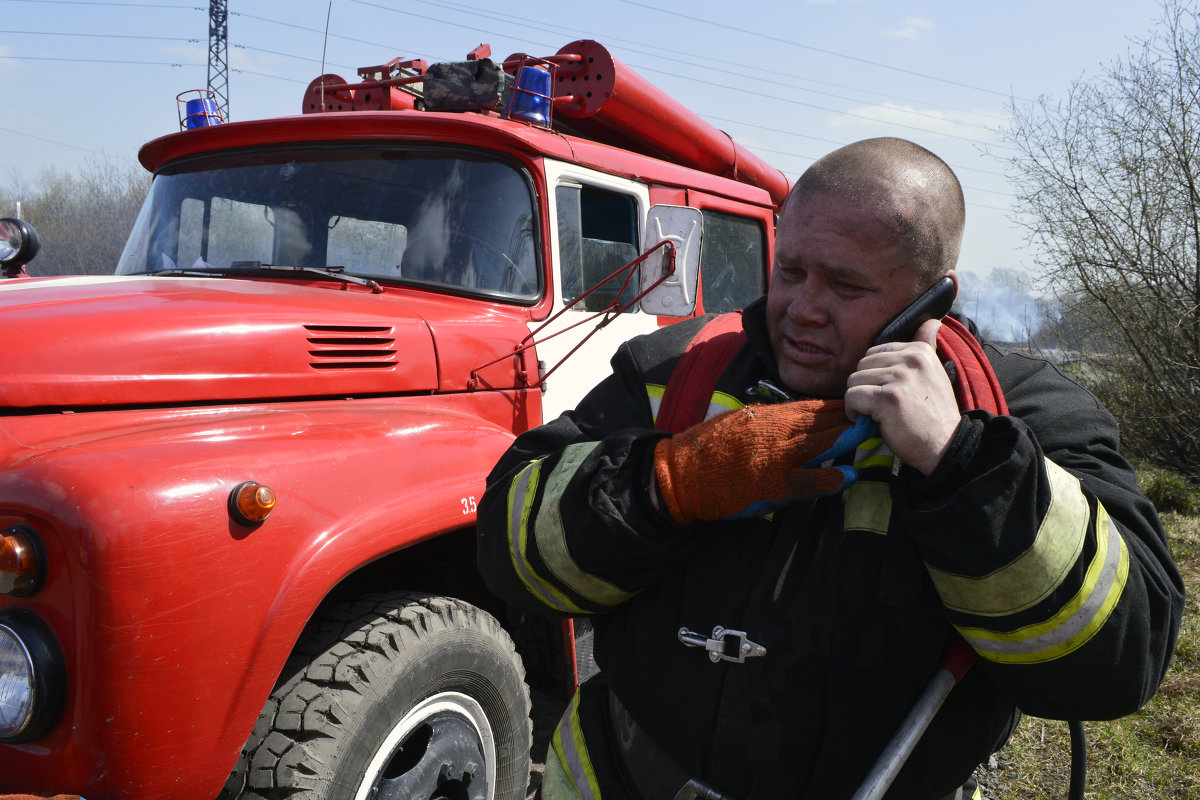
[(32, 678), (19, 243)]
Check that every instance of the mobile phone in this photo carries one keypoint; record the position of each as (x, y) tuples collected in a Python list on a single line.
[(934, 303)]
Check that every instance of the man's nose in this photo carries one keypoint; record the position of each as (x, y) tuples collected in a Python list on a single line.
[(808, 307)]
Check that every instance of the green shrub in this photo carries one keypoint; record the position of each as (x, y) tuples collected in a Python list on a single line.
[(1169, 491)]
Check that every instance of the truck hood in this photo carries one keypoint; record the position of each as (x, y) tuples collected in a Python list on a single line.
[(116, 341)]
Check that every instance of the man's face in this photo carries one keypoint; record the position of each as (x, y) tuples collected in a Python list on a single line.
[(839, 276)]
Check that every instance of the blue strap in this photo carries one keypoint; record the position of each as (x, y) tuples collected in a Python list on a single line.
[(863, 428)]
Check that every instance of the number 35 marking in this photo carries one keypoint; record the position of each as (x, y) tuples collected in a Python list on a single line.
[(468, 504)]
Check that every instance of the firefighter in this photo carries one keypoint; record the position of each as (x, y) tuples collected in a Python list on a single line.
[(767, 607)]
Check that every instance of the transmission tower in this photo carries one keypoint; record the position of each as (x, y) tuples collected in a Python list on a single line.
[(218, 48)]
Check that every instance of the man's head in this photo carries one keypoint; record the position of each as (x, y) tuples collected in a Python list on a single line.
[(862, 233)]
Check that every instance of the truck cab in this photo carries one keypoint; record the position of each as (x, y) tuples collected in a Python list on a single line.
[(239, 476)]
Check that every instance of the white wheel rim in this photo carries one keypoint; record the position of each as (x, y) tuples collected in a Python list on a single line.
[(444, 702)]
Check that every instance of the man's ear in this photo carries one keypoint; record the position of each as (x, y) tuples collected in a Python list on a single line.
[(953, 275)]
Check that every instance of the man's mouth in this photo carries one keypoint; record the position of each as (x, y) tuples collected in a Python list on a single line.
[(805, 348)]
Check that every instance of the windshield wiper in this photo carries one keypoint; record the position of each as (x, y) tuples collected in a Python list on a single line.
[(336, 273), (250, 267)]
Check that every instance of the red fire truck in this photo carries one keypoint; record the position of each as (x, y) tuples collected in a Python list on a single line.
[(239, 476)]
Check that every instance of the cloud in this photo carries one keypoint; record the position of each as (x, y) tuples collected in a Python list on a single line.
[(913, 27)]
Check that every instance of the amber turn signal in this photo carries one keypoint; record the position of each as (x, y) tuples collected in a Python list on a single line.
[(22, 562), (250, 502)]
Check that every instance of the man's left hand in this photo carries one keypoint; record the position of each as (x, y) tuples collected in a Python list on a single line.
[(904, 387)]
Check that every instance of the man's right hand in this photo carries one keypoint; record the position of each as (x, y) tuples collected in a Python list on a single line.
[(726, 464), (904, 387)]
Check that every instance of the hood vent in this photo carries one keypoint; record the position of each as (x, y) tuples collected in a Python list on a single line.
[(351, 346)]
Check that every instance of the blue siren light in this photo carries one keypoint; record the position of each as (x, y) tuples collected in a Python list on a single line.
[(530, 98), (200, 111)]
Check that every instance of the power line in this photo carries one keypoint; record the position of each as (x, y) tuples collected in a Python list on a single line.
[(64, 144), (741, 89), (289, 55), (294, 26), (834, 142), (101, 61), (241, 71), (656, 50), (776, 98), (104, 36), (725, 26), (103, 3)]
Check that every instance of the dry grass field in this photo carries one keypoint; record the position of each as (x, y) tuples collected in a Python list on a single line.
[(1151, 755)]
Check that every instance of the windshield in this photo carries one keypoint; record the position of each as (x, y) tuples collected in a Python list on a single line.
[(452, 220)]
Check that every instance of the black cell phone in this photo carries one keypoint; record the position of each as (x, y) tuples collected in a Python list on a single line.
[(934, 303)]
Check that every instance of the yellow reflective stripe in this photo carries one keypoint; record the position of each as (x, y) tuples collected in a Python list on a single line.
[(1077, 621), (1033, 575), (654, 393), (552, 537), (521, 492), (720, 403), (571, 749)]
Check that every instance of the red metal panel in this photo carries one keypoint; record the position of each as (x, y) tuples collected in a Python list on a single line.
[(175, 619), (198, 340)]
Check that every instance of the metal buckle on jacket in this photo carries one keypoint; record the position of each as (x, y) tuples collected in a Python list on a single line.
[(725, 644), (696, 789)]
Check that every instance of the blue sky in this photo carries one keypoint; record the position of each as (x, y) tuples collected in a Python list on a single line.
[(91, 80)]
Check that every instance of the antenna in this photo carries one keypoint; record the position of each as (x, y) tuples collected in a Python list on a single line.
[(324, 45), (218, 47)]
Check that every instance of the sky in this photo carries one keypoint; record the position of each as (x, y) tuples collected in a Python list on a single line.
[(87, 81)]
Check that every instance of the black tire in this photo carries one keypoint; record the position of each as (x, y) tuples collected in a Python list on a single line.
[(399, 696)]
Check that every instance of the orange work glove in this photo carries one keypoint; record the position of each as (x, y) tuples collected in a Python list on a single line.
[(740, 458)]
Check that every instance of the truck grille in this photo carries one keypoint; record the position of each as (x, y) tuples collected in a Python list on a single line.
[(351, 347)]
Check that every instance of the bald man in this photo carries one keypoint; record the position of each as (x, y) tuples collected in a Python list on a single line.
[(772, 587)]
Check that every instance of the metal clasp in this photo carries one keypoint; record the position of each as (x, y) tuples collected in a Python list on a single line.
[(725, 644), (696, 789), (767, 392)]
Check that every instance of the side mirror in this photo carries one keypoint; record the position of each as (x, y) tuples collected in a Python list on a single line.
[(676, 295), (18, 245)]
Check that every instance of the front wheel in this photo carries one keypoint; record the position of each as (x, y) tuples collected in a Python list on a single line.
[(398, 696)]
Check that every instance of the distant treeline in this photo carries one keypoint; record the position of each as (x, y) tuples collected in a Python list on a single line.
[(82, 219)]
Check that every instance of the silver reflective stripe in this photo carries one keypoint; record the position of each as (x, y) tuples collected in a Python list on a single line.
[(873, 453), (552, 537), (1035, 574), (654, 393), (521, 492), (571, 749), (1078, 621), (720, 403)]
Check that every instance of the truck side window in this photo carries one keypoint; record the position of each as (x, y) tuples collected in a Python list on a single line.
[(597, 235), (732, 261)]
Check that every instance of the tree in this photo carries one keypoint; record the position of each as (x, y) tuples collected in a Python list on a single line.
[(1108, 190), (82, 220)]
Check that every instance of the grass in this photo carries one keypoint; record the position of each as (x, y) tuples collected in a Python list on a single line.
[(1151, 755)]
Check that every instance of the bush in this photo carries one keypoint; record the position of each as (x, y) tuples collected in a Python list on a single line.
[(1169, 491)]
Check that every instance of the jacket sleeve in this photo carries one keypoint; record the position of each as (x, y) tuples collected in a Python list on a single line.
[(565, 523), (1047, 558)]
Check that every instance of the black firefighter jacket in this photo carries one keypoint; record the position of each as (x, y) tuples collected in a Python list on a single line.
[(1031, 541)]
